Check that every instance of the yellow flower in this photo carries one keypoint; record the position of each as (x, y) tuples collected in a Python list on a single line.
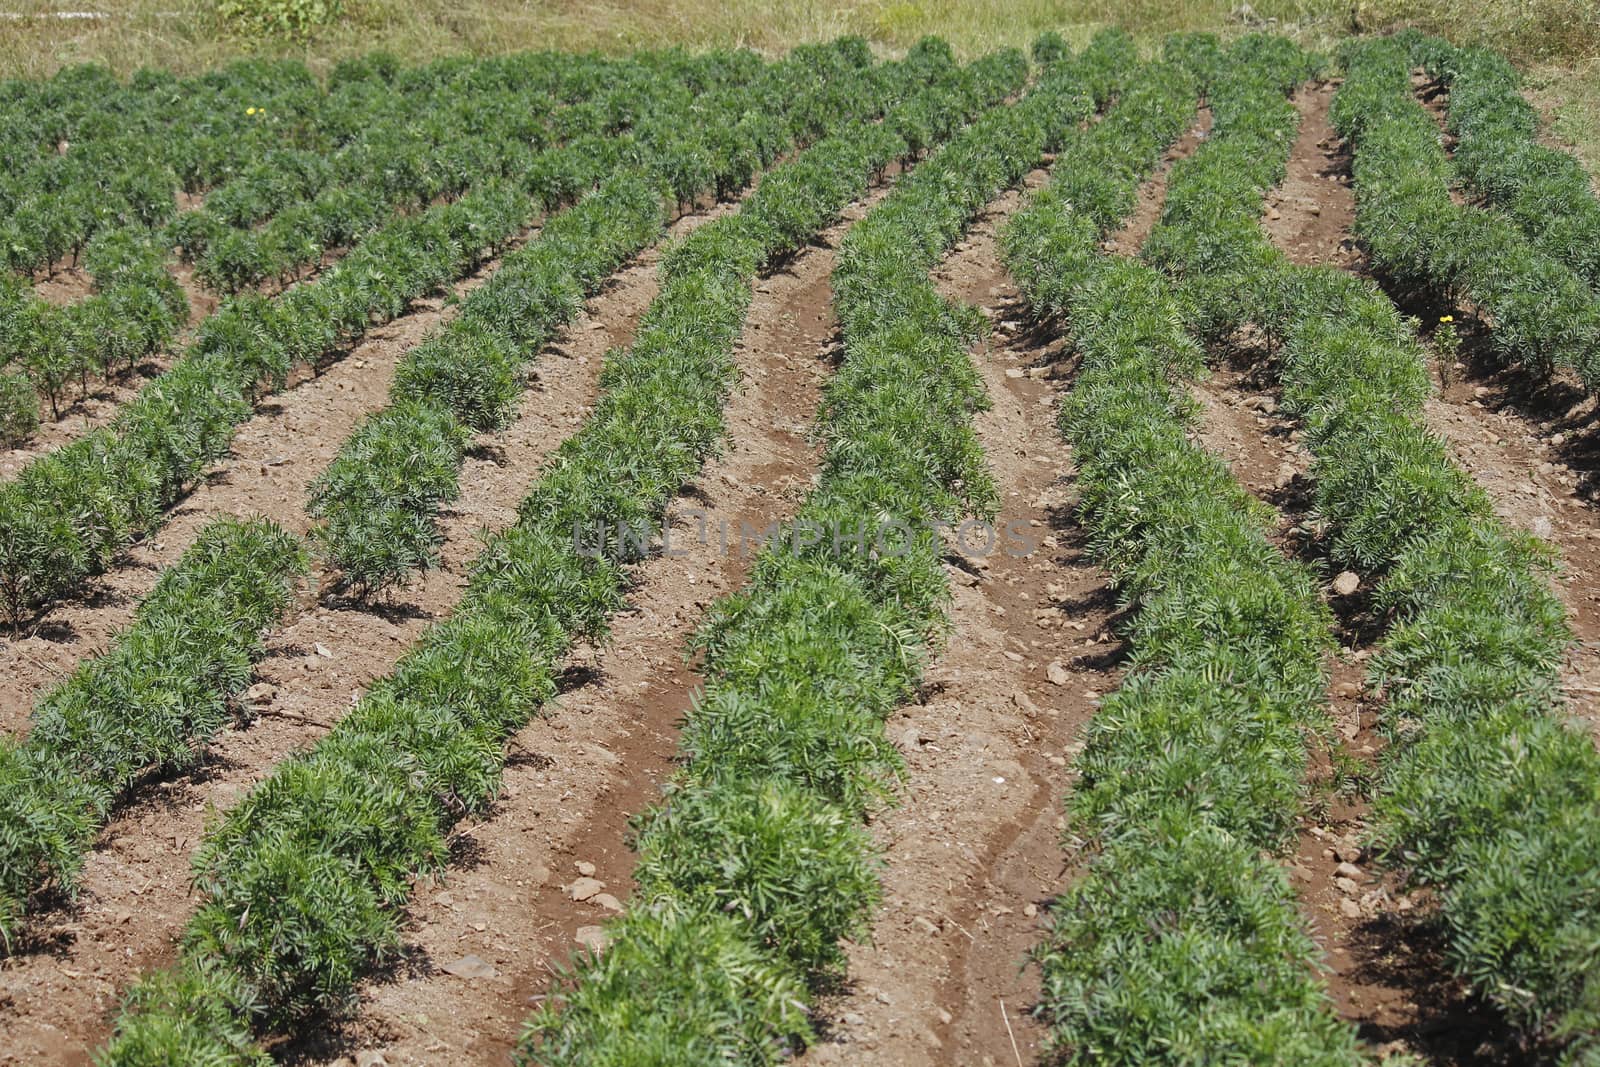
[(1447, 318), (249, 111)]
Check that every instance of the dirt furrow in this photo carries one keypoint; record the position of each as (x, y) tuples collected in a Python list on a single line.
[(972, 852), (482, 945), (1130, 238), (135, 899)]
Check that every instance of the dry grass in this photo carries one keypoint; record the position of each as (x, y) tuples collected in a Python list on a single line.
[(185, 35)]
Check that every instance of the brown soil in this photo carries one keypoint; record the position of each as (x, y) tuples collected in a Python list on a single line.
[(1311, 216), (61, 986), (600, 753), (63, 286)]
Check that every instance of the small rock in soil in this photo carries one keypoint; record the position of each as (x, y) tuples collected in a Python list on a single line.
[(470, 967), (1347, 690), (1346, 583), (1345, 885), (1349, 870), (369, 1058), (585, 868), (1349, 908), (584, 888), (592, 938), (1057, 673), (260, 694)]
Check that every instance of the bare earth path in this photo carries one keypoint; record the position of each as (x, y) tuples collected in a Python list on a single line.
[(275, 456), (974, 853)]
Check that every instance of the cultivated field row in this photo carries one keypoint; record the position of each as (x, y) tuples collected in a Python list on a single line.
[(1297, 674)]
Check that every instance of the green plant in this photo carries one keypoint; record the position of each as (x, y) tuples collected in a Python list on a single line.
[(292, 18), (19, 409), (300, 882), (786, 748), (1180, 941), (151, 702), (1448, 342)]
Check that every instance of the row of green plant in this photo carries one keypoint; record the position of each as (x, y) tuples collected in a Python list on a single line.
[(245, 132), (287, 214), (71, 512), (1484, 792), (150, 703), (381, 495), (1180, 940), (362, 119), (303, 882), (135, 311), (93, 178), (1545, 191), (122, 151), (470, 134), (1542, 313), (755, 863)]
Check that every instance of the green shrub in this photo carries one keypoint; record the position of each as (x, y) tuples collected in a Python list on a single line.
[(19, 409)]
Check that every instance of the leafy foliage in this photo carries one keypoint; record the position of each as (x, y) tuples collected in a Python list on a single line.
[(1546, 192), (151, 702), (786, 747), (1543, 314), (1484, 793), (302, 879), (1180, 941)]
